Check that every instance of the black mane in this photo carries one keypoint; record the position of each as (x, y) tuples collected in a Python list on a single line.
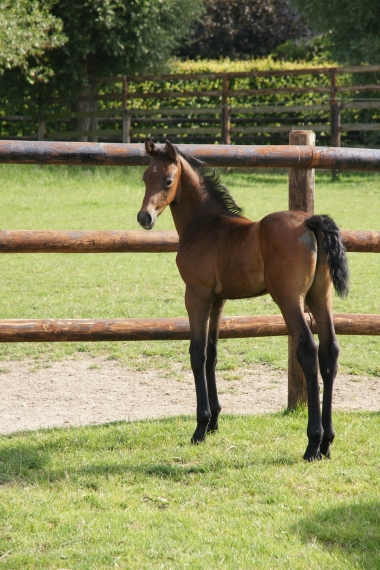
[(214, 186)]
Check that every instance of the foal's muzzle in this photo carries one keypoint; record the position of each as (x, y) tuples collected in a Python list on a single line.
[(145, 220)]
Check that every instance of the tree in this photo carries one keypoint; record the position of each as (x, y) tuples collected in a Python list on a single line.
[(114, 37), (111, 37), (315, 49), (352, 27), (101, 38), (243, 28), (27, 31)]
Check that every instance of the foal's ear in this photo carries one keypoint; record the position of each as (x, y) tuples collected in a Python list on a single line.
[(171, 151), (150, 147)]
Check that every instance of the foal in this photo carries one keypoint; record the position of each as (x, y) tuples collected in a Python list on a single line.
[(293, 256)]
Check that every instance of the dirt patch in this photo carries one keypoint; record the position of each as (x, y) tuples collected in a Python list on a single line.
[(93, 391)]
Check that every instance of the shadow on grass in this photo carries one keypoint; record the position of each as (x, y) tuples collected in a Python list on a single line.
[(26, 459), (26, 464), (353, 529), (21, 461)]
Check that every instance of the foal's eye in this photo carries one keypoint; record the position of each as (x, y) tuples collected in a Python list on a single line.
[(169, 182)]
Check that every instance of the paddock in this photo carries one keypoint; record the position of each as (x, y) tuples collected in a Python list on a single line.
[(299, 157)]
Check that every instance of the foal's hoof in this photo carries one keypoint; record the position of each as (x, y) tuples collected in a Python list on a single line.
[(196, 440), (325, 448), (200, 433), (213, 425), (213, 428), (312, 453)]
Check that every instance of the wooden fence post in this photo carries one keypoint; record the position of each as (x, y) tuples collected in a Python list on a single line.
[(301, 197), (126, 114), (334, 117), (335, 124), (226, 126), (41, 131)]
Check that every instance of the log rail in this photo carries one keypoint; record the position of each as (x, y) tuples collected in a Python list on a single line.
[(114, 241), (96, 330), (133, 154)]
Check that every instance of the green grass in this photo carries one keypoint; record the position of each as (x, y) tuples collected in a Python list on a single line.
[(138, 495), (148, 285)]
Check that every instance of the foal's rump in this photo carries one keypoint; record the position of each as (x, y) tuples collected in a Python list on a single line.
[(289, 250), (297, 249)]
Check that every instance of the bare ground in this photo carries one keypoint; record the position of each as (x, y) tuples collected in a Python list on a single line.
[(95, 390)]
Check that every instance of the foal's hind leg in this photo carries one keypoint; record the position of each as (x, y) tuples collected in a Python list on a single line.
[(198, 307), (215, 317), (328, 361), (307, 355)]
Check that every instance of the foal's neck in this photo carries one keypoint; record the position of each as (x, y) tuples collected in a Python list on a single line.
[(192, 201)]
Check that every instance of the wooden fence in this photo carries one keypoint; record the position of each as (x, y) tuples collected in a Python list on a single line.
[(221, 110), (301, 158)]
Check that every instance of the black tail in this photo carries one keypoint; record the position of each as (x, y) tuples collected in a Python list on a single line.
[(326, 231)]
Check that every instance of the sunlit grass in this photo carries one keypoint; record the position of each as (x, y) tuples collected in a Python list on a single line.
[(138, 495), (148, 285)]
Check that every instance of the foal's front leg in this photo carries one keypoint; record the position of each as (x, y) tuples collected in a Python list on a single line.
[(212, 354), (198, 309)]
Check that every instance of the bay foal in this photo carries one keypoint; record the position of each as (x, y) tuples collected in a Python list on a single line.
[(293, 256)]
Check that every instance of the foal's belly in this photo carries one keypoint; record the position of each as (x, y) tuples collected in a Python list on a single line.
[(235, 283), (240, 295), (240, 268)]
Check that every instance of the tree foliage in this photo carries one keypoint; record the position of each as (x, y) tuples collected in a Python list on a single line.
[(351, 25), (243, 28), (109, 37), (27, 31), (315, 49), (55, 47)]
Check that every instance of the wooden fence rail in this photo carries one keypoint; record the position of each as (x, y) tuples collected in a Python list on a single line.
[(242, 156), (117, 241), (96, 330), (301, 157)]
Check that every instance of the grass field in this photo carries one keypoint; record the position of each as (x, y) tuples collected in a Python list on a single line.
[(148, 285), (138, 496)]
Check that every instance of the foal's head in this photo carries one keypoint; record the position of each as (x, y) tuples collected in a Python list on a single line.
[(161, 180)]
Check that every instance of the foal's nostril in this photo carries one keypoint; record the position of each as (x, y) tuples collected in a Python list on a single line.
[(144, 219)]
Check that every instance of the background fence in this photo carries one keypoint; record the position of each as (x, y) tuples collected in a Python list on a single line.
[(301, 157), (341, 104)]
